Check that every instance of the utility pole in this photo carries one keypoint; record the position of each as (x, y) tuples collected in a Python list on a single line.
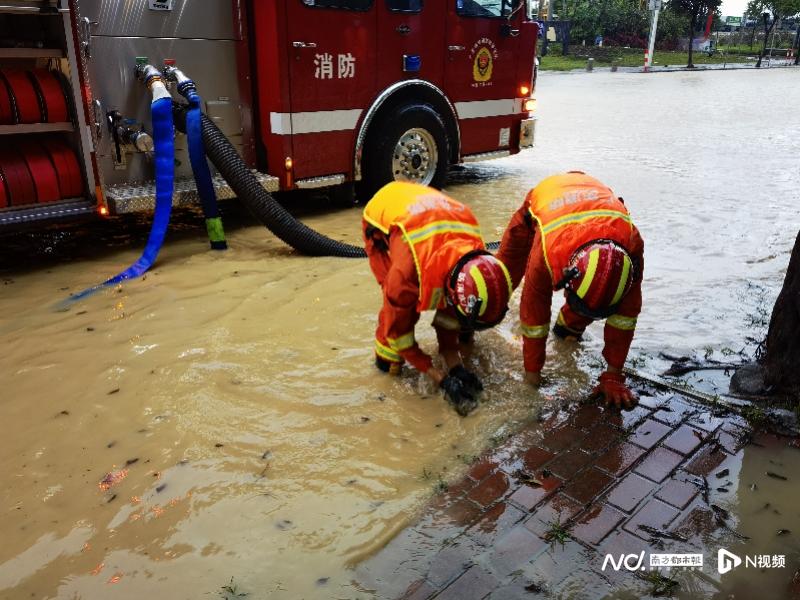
[(655, 6)]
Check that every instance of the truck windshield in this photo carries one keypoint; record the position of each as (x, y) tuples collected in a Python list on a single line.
[(486, 8)]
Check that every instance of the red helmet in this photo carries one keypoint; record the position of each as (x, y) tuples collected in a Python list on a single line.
[(599, 275), (479, 288)]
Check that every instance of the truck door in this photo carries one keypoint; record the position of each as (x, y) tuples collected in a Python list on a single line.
[(410, 41), (332, 79), (481, 71)]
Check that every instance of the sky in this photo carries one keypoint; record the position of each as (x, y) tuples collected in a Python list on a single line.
[(733, 8)]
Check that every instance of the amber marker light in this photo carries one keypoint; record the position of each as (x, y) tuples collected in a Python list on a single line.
[(288, 162), (104, 211), (524, 90)]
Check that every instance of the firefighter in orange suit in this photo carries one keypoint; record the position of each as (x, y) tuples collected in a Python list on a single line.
[(573, 233), (426, 251)]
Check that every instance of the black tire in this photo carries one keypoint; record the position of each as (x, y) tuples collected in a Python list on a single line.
[(384, 137)]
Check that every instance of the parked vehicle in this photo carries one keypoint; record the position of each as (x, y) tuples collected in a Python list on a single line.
[(312, 93)]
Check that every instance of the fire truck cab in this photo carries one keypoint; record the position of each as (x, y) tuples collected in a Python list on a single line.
[(312, 93), (375, 90)]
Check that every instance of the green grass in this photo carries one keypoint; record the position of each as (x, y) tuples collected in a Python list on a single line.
[(634, 58), (557, 532)]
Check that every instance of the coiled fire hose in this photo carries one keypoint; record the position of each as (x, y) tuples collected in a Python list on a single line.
[(197, 157), (163, 132)]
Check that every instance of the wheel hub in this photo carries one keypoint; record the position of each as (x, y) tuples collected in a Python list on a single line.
[(415, 157)]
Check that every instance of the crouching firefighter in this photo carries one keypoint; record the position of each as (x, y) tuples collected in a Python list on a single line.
[(573, 233), (427, 253)]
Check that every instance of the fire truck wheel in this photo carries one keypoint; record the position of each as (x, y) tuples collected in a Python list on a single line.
[(409, 145)]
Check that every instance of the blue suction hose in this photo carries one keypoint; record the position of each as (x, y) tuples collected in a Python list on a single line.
[(163, 135), (197, 157)]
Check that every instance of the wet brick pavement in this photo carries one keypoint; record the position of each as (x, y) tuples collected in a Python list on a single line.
[(600, 478)]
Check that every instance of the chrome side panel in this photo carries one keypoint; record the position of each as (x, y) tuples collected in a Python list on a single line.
[(204, 19), (201, 35), (211, 63)]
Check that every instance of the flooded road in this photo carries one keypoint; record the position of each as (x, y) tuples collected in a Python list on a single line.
[(220, 422)]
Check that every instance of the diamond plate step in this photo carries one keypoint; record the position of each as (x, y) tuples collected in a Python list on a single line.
[(130, 198)]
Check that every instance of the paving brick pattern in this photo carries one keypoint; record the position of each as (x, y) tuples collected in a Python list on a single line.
[(588, 476)]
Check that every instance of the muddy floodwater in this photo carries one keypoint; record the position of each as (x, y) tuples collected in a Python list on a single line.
[(220, 422)]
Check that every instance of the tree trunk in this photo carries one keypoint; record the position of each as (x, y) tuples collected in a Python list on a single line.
[(689, 63), (753, 37), (796, 46), (782, 357), (767, 31)]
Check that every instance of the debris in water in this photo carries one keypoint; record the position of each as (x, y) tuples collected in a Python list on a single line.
[(381, 397), (783, 531), (705, 489), (323, 580), (365, 419), (660, 533), (723, 473), (113, 496), (534, 588), (753, 487), (112, 479), (81, 312), (111, 444), (131, 461), (284, 524), (720, 512), (90, 329), (218, 445), (777, 476), (161, 488), (528, 478), (63, 412), (266, 455)]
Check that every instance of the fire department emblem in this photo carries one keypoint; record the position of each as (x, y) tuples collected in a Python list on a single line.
[(483, 55)]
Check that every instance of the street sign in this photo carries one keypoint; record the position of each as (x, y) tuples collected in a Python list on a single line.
[(733, 21)]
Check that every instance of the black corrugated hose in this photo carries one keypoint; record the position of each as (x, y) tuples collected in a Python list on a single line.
[(259, 201)]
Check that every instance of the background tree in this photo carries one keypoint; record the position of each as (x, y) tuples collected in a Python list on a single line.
[(695, 10), (781, 359), (761, 10)]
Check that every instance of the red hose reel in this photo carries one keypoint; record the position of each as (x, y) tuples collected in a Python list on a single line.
[(38, 171), (35, 96)]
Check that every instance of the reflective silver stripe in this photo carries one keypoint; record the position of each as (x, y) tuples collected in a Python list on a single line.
[(622, 322), (535, 331), (317, 121), (489, 108), (446, 322), (404, 342)]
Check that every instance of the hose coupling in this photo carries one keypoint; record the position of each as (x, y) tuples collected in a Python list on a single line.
[(147, 73), (173, 73)]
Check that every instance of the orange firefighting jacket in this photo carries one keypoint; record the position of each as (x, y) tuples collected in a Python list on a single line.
[(558, 216), (414, 236)]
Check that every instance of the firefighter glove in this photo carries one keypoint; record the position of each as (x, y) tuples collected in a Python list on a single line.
[(458, 395), (467, 377), (612, 389)]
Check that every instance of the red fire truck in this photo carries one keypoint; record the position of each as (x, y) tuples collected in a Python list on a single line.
[(313, 93)]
